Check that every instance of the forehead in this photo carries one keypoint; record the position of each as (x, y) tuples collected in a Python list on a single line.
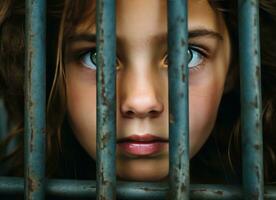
[(148, 16)]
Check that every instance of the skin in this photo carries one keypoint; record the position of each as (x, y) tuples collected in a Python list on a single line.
[(142, 81)]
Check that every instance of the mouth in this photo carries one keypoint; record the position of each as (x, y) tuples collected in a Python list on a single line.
[(142, 145)]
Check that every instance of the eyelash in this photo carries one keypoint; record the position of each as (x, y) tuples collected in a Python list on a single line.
[(83, 53), (203, 53), (199, 49), (192, 47)]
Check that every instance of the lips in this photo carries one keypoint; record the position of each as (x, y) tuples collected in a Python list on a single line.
[(142, 145)]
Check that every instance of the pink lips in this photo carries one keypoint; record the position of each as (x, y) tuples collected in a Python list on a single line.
[(142, 145)]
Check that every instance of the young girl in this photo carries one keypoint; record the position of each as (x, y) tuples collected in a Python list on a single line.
[(142, 89)]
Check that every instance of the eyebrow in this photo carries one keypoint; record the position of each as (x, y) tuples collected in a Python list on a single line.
[(201, 32), (82, 37)]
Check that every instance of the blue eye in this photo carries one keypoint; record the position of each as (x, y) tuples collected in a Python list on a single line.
[(89, 59), (195, 57)]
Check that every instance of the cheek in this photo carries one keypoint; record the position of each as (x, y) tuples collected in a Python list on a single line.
[(203, 117), (81, 105)]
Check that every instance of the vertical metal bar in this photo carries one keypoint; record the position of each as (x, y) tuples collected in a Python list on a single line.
[(252, 143), (178, 99), (3, 121), (106, 100), (35, 99), (3, 130)]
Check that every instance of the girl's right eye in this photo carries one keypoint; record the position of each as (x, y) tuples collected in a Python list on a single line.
[(88, 59)]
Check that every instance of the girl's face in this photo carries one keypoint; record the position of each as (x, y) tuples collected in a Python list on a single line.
[(142, 83)]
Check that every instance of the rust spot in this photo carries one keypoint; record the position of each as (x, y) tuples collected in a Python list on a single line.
[(171, 118), (255, 102), (146, 189), (32, 141), (183, 77), (183, 74), (30, 55), (31, 185), (257, 172), (257, 147), (258, 72), (102, 79), (31, 104), (200, 191), (105, 139), (219, 193), (257, 125), (183, 42), (183, 187), (102, 197), (102, 178)]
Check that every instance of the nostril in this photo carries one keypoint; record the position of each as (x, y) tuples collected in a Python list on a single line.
[(141, 107), (154, 113), (129, 113)]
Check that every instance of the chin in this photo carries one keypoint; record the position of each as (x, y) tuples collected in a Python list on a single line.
[(142, 177), (143, 170)]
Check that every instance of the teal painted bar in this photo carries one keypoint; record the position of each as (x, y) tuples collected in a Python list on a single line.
[(106, 100), (105, 186), (131, 190), (35, 99), (178, 99), (3, 120), (251, 113), (34, 150)]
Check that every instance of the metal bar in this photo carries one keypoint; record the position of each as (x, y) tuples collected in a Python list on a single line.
[(3, 132), (3, 121), (251, 112), (106, 99), (178, 99), (34, 146), (130, 190)]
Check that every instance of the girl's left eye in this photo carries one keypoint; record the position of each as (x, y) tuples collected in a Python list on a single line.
[(196, 57), (89, 59)]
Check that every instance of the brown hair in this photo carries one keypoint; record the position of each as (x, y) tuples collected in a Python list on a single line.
[(224, 143)]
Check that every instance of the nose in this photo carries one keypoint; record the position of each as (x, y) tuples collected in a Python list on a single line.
[(141, 96)]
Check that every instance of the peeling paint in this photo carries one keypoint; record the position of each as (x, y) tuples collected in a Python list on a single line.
[(251, 111), (106, 100)]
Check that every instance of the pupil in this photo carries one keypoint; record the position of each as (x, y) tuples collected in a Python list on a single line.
[(93, 57), (190, 55)]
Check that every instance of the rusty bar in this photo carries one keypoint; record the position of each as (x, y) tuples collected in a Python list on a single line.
[(106, 99), (3, 130), (34, 136), (3, 120), (130, 190), (251, 112), (178, 99)]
